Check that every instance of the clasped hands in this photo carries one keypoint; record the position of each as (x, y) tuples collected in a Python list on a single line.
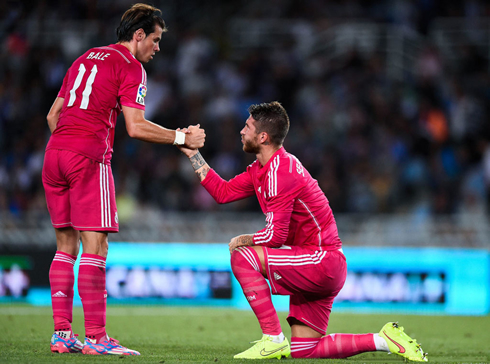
[(194, 137)]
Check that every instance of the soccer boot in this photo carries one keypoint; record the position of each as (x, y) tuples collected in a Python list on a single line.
[(402, 344), (265, 348), (69, 345), (109, 346)]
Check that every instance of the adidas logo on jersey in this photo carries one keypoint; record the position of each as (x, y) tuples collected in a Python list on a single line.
[(59, 294), (277, 276), (251, 298)]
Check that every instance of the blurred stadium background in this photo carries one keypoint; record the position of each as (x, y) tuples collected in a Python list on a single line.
[(389, 104)]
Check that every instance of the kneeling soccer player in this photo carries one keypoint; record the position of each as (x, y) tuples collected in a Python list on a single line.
[(298, 251)]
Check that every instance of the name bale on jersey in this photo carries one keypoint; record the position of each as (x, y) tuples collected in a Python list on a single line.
[(99, 55)]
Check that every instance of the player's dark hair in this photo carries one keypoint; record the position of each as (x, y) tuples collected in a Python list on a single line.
[(271, 118), (139, 16)]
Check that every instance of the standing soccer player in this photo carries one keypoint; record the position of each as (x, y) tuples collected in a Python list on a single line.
[(298, 251), (77, 174)]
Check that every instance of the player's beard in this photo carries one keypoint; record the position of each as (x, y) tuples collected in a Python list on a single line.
[(251, 146)]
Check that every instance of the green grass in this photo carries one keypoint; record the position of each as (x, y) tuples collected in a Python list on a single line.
[(207, 335)]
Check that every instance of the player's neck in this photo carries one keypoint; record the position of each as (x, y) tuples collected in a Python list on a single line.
[(130, 46), (266, 153)]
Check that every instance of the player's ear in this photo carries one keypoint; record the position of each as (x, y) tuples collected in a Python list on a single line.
[(264, 138), (139, 35)]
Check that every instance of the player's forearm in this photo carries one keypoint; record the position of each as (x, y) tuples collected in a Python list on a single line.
[(150, 132), (241, 240), (245, 240), (200, 166), (54, 113), (52, 122)]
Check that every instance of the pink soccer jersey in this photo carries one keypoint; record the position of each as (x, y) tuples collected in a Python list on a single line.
[(95, 87), (297, 211)]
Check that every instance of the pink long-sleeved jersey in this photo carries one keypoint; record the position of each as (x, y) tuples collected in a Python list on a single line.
[(297, 211)]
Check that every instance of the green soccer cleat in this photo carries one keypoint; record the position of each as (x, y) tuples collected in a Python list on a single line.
[(402, 344), (265, 348)]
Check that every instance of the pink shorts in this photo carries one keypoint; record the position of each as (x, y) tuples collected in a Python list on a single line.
[(79, 192), (312, 279)]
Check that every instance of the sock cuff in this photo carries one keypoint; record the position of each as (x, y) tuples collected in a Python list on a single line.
[(93, 260), (303, 347), (250, 255), (65, 257)]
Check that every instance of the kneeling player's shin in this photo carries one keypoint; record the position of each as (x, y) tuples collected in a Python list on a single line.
[(334, 346), (245, 264)]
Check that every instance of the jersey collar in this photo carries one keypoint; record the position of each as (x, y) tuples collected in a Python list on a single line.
[(281, 151), (122, 49)]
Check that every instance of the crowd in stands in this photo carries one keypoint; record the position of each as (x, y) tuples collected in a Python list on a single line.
[(375, 144)]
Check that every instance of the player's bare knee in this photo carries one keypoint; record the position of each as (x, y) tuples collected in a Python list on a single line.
[(95, 243)]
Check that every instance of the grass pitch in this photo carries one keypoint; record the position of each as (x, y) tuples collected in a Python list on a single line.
[(213, 335)]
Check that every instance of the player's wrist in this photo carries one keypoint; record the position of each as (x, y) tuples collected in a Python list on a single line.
[(179, 138), (192, 152)]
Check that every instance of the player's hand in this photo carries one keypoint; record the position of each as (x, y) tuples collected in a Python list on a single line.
[(240, 240), (195, 137), (187, 151)]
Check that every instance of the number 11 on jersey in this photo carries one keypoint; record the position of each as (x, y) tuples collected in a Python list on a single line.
[(88, 86)]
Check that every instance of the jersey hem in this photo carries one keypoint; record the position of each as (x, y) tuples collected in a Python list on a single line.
[(106, 161)]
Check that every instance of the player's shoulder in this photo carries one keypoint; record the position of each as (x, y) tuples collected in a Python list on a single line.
[(254, 165), (113, 54), (288, 162), (289, 168)]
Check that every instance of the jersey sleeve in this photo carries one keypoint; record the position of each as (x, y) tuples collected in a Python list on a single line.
[(282, 189), (239, 187), (132, 91)]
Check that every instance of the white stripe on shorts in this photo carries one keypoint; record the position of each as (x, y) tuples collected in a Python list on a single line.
[(105, 197), (304, 259)]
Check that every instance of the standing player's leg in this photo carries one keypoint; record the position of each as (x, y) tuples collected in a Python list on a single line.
[(91, 283), (247, 264), (92, 211), (61, 276), (92, 289), (61, 280)]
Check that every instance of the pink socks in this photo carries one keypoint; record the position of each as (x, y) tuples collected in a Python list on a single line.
[(334, 346), (61, 280), (245, 264), (91, 287)]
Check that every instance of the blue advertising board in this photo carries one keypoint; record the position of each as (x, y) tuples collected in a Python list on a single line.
[(408, 280)]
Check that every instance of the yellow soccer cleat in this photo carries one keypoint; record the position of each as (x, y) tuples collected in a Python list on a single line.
[(402, 344), (265, 348)]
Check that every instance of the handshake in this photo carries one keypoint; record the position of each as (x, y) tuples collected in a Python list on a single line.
[(194, 139)]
